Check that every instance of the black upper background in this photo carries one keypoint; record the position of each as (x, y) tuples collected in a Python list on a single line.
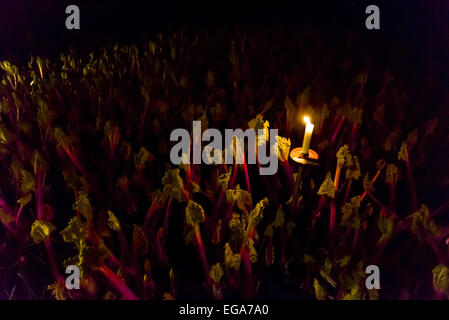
[(38, 26), (413, 40)]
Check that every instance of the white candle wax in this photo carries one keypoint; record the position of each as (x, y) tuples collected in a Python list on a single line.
[(307, 135)]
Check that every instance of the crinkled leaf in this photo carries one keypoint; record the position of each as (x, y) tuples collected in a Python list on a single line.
[(83, 206), (423, 224), (320, 292), (195, 187), (194, 213), (216, 272), (391, 174), (142, 158), (282, 148), (354, 293), (27, 181), (344, 157), (327, 188), (25, 200), (173, 184), (113, 222), (385, 225), (76, 232), (343, 262), (258, 123), (237, 226), (189, 237), (239, 196), (257, 213), (441, 278), (368, 184), (280, 217), (5, 217), (380, 164), (309, 259), (61, 138), (351, 217), (353, 172), (5, 134), (403, 152), (231, 260), (223, 180), (252, 250), (41, 230), (167, 296), (74, 181), (57, 291), (92, 258)]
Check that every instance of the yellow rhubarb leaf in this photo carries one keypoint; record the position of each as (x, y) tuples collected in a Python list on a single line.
[(41, 230), (282, 148), (327, 188), (216, 272), (441, 278), (113, 222), (57, 291), (391, 174), (194, 213), (173, 184), (403, 152)]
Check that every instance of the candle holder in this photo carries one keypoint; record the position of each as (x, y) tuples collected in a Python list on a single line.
[(304, 159), (311, 157)]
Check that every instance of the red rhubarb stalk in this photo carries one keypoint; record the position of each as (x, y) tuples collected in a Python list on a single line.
[(202, 253), (289, 173), (234, 176), (332, 218), (118, 283), (373, 181), (392, 200), (245, 168), (412, 186), (348, 190), (339, 125)]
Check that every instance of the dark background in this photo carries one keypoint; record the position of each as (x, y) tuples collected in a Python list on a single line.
[(38, 27)]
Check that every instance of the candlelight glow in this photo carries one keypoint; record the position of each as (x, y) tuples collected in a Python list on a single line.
[(307, 120)]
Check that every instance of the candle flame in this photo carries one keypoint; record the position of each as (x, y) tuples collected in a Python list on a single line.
[(307, 120)]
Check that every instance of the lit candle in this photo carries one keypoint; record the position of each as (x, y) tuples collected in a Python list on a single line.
[(307, 135)]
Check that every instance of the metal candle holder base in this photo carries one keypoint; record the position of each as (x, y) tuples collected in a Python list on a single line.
[(311, 158)]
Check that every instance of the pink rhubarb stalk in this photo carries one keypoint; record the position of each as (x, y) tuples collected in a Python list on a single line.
[(202, 253), (118, 283), (337, 129), (373, 181)]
